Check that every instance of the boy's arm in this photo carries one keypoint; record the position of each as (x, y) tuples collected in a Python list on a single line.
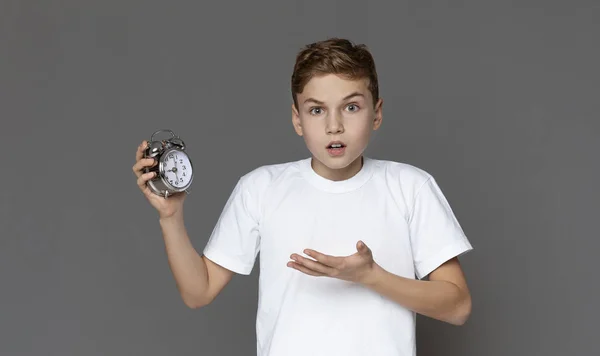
[(445, 296), (198, 279)]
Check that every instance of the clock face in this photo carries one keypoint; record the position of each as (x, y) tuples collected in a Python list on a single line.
[(177, 168)]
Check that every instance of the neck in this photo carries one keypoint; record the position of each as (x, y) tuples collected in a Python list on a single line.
[(337, 174)]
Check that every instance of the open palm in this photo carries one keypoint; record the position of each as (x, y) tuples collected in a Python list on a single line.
[(353, 268)]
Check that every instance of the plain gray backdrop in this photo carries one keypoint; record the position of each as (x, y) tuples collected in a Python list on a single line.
[(499, 100)]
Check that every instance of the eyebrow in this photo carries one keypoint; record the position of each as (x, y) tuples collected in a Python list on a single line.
[(318, 102)]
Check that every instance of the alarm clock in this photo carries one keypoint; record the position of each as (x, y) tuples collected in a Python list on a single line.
[(174, 171)]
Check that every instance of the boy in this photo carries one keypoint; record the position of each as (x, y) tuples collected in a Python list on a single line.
[(345, 240)]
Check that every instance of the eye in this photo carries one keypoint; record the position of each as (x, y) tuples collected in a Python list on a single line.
[(353, 107), (316, 110)]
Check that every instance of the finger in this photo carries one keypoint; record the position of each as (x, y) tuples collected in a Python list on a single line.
[(143, 178), (305, 270), (141, 164), (314, 265), (140, 150), (144, 162), (327, 260)]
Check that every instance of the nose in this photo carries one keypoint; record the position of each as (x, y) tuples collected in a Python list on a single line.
[(334, 124)]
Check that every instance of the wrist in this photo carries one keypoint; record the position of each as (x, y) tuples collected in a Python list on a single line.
[(170, 219), (372, 275)]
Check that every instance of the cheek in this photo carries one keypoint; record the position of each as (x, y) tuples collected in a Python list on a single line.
[(309, 132), (312, 139), (360, 127), (312, 128)]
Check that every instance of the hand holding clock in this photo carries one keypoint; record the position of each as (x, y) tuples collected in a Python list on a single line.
[(166, 207)]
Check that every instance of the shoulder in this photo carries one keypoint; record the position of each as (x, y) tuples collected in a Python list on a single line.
[(256, 185), (406, 176), (408, 183), (261, 178)]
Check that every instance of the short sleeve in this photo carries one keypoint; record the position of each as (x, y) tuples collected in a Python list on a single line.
[(435, 233), (235, 241)]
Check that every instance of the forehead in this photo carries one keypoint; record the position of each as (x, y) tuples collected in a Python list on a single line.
[(331, 87)]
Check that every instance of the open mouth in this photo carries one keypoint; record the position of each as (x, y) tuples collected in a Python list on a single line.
[(336, 148), (336, 145)]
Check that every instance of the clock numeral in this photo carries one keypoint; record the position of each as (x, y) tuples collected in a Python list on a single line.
[(183, 167), (184, 174)]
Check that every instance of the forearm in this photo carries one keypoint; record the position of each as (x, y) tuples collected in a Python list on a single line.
[(440, 300), (187, 266)]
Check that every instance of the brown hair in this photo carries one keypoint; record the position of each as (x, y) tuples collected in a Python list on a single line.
[(334, 56)]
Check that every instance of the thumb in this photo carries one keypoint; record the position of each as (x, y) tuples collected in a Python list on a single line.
[(362, 247)]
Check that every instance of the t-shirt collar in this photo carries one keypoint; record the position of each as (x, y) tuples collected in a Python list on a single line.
[(341, 186)]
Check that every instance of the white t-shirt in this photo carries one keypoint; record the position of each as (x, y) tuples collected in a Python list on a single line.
[(398, 210)]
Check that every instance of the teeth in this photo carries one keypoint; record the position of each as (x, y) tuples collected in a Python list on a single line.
[(336, 145)]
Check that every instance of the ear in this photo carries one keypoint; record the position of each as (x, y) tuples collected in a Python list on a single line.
[(378, 114), (296, 120)]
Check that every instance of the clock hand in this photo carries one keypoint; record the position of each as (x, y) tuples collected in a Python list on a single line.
[(176, 169)]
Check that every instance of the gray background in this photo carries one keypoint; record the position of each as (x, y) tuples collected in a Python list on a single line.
[(498, 100)]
